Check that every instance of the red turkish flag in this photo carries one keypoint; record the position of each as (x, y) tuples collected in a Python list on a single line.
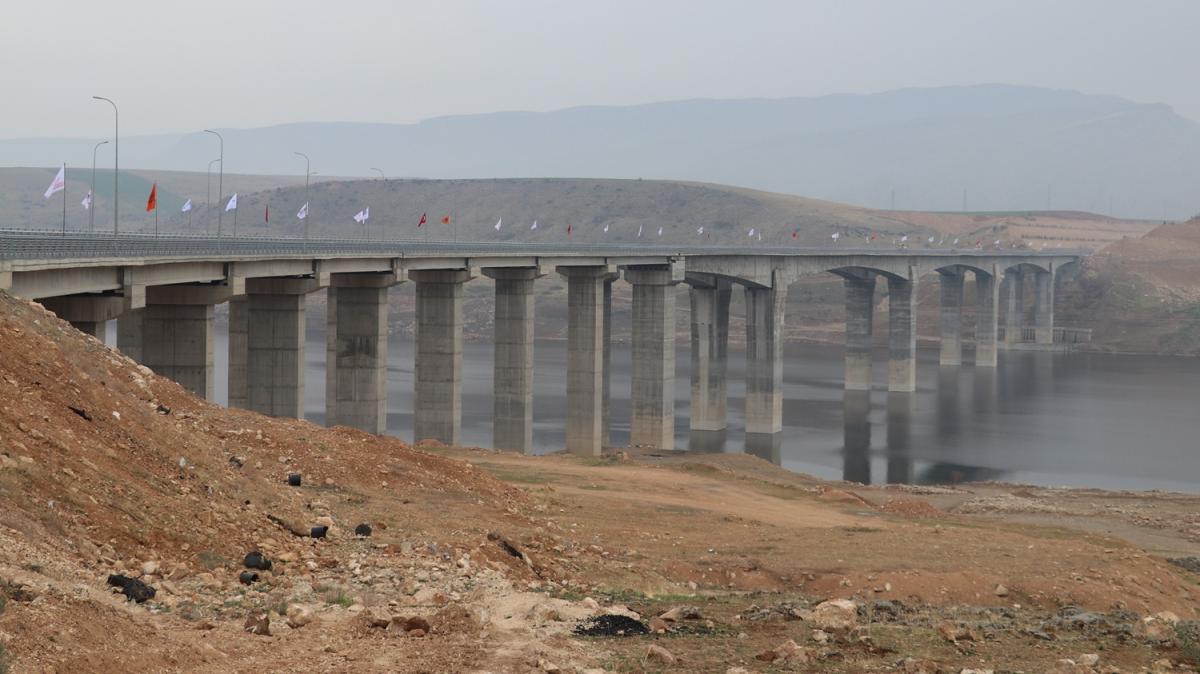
[(152, 202), (445, 219), (568, 229), (422, 220)]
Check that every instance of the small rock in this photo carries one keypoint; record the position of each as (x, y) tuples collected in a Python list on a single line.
[(590, 603), (257, 622), (256, 560), (820, 636), (299, 615), (835, 615), (659, 654), (1088, 659), (658, 625), (374, 620), (248, 577), (149, 568), (1001, 591), (788, 651), (363, 530), (132, 588)]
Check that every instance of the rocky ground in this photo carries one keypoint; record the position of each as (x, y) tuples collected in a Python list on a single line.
[(478, 561)]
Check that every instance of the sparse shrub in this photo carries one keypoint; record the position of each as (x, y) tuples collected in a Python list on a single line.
[(1187, 634)]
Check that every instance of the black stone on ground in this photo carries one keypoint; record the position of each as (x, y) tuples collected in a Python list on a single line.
[(293, 479), (319, 532), (132, 587), (248, 577), (610, 625), (362, 530), (256, 560)]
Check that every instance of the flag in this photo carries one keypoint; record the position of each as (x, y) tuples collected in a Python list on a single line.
[(904, 238), (660, 230), (445, 218), (303, 212), (956, 242), (639, 231), (873, 236), (931, 239), (606, 228), (59, 183), (422, 221), (366, 213), (534, 225), (750, 233), (187, 206), (232, 205), (700, 229), (267, 213), (87, 200), (568, 227), (361, 216), (499, 223), (152, 202), (796, 233), (836, 235)]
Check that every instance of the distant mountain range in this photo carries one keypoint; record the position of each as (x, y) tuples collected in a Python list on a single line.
[(979, 148)]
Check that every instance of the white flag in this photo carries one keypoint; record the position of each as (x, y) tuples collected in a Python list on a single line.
[(700, 229), (499, 223), (751, 234), (87, 200), (303, 212), (606, 228), (837, 235), (639, 231), (232, 205), (956, 242), (366, 213), (187, 206), (997, 242), (931, 239), (361, 216), (59, 183), (534, 225), (660, 231), (904, 238)]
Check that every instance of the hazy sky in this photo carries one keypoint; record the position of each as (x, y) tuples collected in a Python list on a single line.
[(183, 66)]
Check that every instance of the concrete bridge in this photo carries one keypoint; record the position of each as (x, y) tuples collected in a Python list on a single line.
[(162, 291)]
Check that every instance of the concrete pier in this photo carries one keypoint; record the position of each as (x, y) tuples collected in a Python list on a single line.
[(606, 362), (764, 360), (512, 400), (586, 364), (275, 345), (356, 351), (437, 399), (987, 292), (87, 314), (239, 314), (129, 333), (860, 318), (652, 394), (1043, 308), (177, 334), (1014, 314), (951, 316), (709, 303), (902, 334)]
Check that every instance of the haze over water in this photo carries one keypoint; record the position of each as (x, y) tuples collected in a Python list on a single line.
[(1054, 419)]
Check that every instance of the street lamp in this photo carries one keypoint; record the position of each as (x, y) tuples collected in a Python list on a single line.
[(92, 206), (208, 194), (308, 214), (116, 158), (220, 181), (381, 176)]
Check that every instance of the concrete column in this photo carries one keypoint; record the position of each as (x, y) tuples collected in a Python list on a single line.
[(860, 313), (606, 362), (1014, 317), (275, 345), (902, 334), (239, 313), (129, 333), (710, 346), (899, 437), (1043, 309), (951, 316), (512, 398), (987, 292), (586, 371), (176, 335), (356, 351), (764, 360), (437, 399), (653, 378), (856, 436), (88, 314)]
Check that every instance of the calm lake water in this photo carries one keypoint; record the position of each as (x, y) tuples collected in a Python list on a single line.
[(1119, 422)]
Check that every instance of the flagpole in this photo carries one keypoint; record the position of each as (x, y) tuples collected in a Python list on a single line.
[(92, 206), (64, 231), (220, 180)]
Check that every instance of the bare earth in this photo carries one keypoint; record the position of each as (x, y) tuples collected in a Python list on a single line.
[(481, 561)]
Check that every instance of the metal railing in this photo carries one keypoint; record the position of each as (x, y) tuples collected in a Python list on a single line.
[(47, 244)]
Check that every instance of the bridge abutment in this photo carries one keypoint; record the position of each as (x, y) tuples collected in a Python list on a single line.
[(88, 314)]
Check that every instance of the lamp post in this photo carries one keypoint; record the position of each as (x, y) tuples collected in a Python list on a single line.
[(220, 180), (307, 173), (116, 160), (92, 207), (380, 171), (208, 194)]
